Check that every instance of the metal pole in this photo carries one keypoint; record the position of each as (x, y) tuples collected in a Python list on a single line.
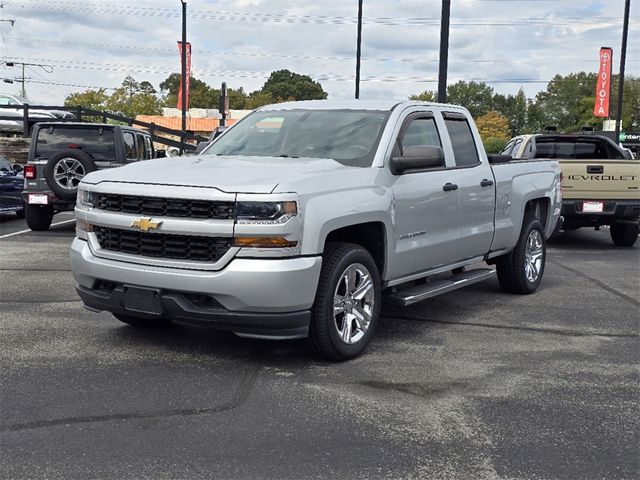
[(184, 74), (358, 49), (24, 93), (444, 51), (623, 58), (222, 104)]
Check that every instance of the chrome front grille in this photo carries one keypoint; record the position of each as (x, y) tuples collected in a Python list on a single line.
[(160, 245), (165, 207)]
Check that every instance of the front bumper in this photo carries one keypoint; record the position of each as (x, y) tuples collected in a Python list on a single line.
[(265, 297), (614, 211)]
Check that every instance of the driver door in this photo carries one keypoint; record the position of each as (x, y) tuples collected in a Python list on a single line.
[(426, 215)]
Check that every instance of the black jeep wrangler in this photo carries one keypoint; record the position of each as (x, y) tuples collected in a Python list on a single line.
[(61, 154)]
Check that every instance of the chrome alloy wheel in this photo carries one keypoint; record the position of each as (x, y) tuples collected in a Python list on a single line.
[(533, 256), (68, 173), (353, 303)]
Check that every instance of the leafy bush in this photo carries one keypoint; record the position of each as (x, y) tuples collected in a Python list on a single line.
[(494, 144)]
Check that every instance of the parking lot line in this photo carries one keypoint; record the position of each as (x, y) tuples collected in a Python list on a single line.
[(28, 230)]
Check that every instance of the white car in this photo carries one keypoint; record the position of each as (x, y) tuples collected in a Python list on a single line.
[(8, 99)]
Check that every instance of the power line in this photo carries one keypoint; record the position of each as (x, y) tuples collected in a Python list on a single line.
[(197, 52), (305, 19)]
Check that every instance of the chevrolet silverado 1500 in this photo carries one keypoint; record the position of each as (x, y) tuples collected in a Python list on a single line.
[(302, 218), (601, 183)]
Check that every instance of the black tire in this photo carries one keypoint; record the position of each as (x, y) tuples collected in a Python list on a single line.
[(20, 213), (512, 269), (38, 217), (76, 163), (143, 322), (624, 234), (324, 335)]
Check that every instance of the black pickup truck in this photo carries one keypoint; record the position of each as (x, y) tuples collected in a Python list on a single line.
[(61, 154)]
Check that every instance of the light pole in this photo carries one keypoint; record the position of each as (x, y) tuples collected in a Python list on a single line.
[(358, 49), (623, 58), (444, 51), (184, 75)]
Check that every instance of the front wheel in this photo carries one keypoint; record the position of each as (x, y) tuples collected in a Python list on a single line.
[(347, 305), (39, 217), (521, 270), (624, 234)]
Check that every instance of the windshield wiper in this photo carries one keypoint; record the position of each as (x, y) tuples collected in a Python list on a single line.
[(284, 155)]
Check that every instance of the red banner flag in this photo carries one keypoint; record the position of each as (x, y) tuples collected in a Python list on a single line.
[(601, 108), (188, 49)]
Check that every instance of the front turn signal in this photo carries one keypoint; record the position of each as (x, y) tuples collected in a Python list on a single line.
[(263, 242)]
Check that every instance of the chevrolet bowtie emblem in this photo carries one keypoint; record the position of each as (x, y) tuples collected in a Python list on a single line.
[(145, 224)]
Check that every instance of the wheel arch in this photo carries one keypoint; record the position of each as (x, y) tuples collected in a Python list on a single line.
[(372, 236)]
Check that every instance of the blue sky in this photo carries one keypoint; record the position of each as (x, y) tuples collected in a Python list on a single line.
[(507, 43)]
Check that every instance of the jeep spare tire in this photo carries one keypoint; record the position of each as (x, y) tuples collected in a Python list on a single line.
[(65, 170)]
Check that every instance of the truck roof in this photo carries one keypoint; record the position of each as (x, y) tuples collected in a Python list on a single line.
[(352, 105)]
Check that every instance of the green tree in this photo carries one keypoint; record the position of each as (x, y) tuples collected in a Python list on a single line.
[(563, 104), (93, 99), (200, 94), (258, 99), (477, 97), (514, 108), (130, 100), (284, 85), (426, 96)]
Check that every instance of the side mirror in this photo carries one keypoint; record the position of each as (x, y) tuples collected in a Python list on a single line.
[(495, 158), (161, 153), (17, 168), (201, 146), (418, 157)]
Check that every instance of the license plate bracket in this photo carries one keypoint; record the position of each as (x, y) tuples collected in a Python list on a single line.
[(142, 300), (592, 207)]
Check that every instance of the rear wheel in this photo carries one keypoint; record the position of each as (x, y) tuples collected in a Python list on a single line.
[(624, 234), (521, 270), (143, 322), (39, 217), (347, 305)]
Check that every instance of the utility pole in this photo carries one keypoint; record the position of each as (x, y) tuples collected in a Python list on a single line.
[(444, 51), (623, 58), (358, 49), (184, 75), (46, 68)]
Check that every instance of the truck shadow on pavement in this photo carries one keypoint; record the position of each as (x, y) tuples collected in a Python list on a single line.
[(585, 239)]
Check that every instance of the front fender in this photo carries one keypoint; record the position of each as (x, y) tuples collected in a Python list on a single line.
[(328, 212)]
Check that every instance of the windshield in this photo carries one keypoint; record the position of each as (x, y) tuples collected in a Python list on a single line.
[(347, 136)]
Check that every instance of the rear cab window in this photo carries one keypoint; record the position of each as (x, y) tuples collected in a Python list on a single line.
[(575, 149), (97, 142), (464, 146)]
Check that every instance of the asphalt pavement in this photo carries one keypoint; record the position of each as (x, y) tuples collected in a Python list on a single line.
[(474, 384)]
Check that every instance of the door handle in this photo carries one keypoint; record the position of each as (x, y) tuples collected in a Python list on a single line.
[(486, 183), (449, 186)]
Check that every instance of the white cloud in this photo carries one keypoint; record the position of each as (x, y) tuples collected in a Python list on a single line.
[(242, 41)]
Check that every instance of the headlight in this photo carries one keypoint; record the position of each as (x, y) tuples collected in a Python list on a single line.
[(86, 198), (265, 212)]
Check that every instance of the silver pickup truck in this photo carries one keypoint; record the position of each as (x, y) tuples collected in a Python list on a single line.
[(301, 219)]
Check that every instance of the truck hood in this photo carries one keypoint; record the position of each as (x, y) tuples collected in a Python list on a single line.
[(228, 174)]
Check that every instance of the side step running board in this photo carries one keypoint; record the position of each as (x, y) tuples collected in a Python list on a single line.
[(417, 293)]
